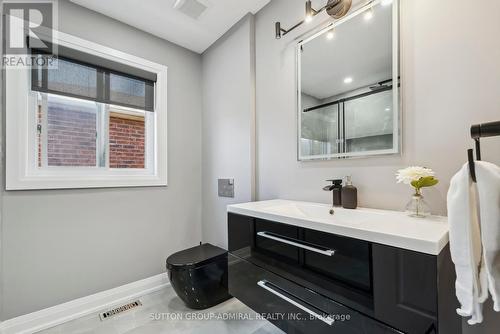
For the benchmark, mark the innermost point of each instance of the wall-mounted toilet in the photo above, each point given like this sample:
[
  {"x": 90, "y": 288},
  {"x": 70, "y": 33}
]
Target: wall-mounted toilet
[{"x": 199, "y": 275}]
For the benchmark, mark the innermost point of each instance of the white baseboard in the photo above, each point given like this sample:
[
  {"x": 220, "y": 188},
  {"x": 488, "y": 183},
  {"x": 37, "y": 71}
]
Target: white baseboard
[{"x": 80, "y": 307}]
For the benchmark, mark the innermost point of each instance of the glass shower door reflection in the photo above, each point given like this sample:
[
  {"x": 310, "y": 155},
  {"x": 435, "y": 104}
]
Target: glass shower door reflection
[
  {"x": 369, "y": 123},
  {"x": 320, "y": 132}
]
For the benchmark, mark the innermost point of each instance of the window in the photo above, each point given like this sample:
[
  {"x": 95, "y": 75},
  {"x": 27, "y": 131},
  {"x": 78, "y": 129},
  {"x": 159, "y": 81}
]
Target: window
[
  {"x": 95, "y": 117},
  {"x": 67, "y": 132},
  {"x": 78, "y": 133},
  {"x": 127, "y": 139}
]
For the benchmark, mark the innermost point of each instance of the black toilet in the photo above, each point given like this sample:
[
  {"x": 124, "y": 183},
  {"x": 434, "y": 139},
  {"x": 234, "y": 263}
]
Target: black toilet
[{"x": 199, "y": 275}]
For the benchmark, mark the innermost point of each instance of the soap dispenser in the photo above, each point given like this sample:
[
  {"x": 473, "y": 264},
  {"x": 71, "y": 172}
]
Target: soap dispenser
[
  {"x": 349, "y": 194},
  {"x": 336, "y": 189}
]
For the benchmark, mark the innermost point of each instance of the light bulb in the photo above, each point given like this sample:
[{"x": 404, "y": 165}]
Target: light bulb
[
  {"x": 309, "y": 11},
  {"x": 348, "y": 80},
  {"x": 330, "y": 34},
  {"x": 386, "y": 2},
  {"x": 369, "y": 14}
]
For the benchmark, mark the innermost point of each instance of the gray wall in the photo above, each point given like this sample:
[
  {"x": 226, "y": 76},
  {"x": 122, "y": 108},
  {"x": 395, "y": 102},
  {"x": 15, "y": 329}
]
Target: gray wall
[
  {"x": 451, "y": 79},
  {"x": 228, "y": 125},
  {"x": 64, "y": 244}
]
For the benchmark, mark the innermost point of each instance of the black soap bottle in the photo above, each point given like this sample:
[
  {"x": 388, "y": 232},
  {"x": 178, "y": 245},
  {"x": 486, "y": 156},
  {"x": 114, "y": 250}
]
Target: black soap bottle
[{"x": 349, "y": 195}]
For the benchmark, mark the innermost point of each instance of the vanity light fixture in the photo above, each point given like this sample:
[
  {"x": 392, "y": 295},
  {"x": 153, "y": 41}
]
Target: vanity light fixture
[
  {"x": 279, "y": 31},
  {"x": 310, "y": 12},
  {"x": 335, "y": 8},
  {"x": 338, "y": 8},
  {"x": 369, "y": 13}
]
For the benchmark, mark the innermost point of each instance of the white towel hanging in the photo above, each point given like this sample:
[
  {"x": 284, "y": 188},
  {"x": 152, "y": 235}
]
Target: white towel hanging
[
  {"x": 488, "y": 185},
  {"x": 465, "y": 246}
]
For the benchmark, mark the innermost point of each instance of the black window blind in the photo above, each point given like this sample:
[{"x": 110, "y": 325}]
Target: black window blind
[{"x": 76, "y": 74}]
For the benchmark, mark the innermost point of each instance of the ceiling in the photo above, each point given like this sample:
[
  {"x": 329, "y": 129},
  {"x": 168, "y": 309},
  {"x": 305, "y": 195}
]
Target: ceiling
[
  {"x": 360, "y": 49},
  {"x": 160, "y": 18}
]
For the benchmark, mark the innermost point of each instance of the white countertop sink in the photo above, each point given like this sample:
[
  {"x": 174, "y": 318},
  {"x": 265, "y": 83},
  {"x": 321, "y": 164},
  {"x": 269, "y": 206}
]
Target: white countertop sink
[{"x": 427, "y": 235}]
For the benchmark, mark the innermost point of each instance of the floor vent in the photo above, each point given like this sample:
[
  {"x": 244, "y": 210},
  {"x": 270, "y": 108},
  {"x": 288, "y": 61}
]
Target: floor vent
[{"x": 111, "y": 313}]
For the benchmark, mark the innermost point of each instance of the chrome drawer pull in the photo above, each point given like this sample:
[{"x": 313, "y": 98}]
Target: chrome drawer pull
[
  {"x": 327, "y": 252},
  {"x": 327, "y": 320}
]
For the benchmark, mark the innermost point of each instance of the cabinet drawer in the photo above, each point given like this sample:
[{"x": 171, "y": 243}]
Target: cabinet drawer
[
  {"x": 293, "y": 308},
  {"x": 350, "y": 263},
  {"x": 267, "y": 240},
  {"x": 325, "y": 263}
]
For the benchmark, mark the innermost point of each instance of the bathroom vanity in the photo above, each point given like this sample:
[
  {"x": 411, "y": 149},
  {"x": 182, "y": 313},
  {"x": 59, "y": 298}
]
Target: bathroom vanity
[{"x": 354, "y": 271}]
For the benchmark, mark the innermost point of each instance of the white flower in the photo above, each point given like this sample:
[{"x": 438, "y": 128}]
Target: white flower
[{"x": 410, "y": 174}]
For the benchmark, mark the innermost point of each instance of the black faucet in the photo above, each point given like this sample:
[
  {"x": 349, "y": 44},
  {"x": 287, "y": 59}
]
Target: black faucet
[{"x": 336, "y": 189}]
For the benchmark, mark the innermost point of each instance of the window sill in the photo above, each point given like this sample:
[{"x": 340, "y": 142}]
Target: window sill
[{"x": 85, "y": 182}]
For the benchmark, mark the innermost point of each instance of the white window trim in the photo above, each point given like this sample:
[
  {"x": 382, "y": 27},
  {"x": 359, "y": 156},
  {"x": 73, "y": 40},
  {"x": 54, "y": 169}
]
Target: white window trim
[{"x": 21, "y": 165}]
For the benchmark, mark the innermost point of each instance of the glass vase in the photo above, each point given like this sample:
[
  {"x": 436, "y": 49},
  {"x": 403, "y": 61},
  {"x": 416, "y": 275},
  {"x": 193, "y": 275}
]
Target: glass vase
[{"x": 417, "y": 207}]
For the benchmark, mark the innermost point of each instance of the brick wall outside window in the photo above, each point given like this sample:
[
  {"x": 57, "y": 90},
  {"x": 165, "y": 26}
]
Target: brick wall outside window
[
  {"x": 126, "y": 142},
  {"x": 71, "y": 135}
]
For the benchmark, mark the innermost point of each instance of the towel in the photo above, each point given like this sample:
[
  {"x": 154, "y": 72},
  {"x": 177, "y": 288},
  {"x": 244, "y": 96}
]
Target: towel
[
  {"x": 488, "y": 185},
  {"x": 465, "y": 246}
]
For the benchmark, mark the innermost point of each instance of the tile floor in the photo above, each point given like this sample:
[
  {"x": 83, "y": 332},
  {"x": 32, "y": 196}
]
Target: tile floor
[{"x": 164, "y": 312}]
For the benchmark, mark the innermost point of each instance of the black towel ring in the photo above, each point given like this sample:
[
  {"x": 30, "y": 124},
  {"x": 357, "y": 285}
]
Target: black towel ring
[
  {"x": 472, "y": 166},
  {"x": 477, "y": 131}
]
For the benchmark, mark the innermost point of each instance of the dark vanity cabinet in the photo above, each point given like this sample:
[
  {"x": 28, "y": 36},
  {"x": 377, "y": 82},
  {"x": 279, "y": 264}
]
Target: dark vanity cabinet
[{"x": 307, "y": 281}]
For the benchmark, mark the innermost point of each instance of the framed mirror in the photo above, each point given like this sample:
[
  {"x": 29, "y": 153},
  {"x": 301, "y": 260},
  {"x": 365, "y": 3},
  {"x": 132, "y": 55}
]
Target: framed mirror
[{"x": 348, "y": 86}]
